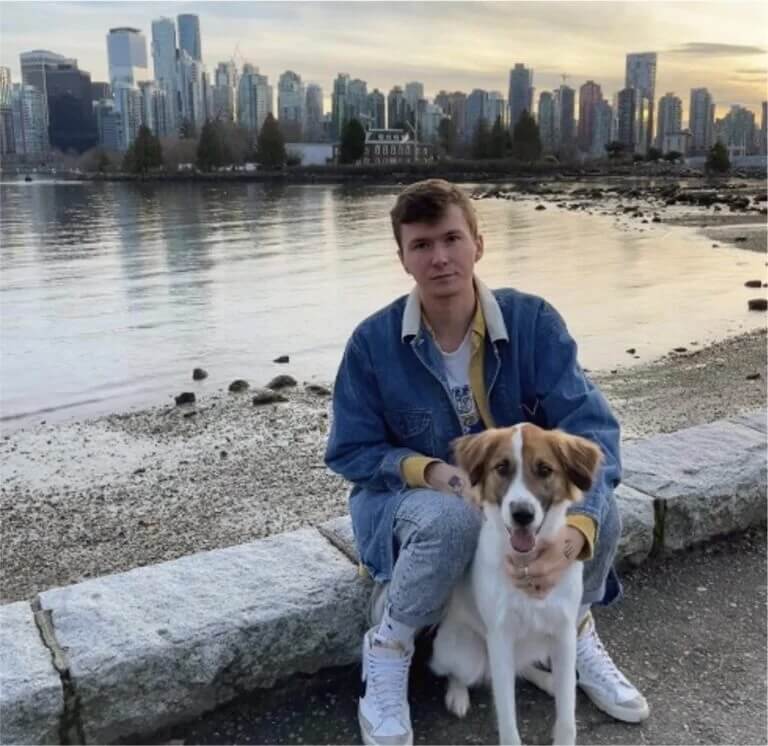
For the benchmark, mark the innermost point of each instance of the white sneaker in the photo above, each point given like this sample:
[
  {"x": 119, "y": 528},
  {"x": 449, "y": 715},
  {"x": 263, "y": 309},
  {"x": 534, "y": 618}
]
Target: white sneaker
[
  {"x": 384, "y": 714},
  {"x": 603, "y": 683}
]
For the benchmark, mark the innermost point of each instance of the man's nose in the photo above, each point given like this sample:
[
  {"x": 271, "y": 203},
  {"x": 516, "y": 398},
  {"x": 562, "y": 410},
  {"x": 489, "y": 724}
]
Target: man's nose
[{"x": 439, "y": 254}]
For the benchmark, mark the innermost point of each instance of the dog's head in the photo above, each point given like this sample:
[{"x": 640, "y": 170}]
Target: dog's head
[{"x": 530, "y": 474}]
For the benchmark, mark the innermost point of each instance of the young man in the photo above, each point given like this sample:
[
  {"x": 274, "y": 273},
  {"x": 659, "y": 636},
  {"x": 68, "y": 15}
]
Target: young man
[{"x": 449, "y": 359}]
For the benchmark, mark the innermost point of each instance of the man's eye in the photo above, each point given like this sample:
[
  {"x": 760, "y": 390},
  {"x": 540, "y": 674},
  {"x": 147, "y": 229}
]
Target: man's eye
[
  {"x": 543, "y": 470},
  {"x": 421, "y": 245}
]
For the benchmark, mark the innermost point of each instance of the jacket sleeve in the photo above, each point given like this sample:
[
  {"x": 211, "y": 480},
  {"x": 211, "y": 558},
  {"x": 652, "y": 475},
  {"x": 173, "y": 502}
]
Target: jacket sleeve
[
  {"x": 571, "y": 402},
  {"x": 358, "y": 446}
]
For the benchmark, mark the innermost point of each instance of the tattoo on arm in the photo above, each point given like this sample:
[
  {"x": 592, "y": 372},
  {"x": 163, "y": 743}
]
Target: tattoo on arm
[{"x": 456, "y": 484}]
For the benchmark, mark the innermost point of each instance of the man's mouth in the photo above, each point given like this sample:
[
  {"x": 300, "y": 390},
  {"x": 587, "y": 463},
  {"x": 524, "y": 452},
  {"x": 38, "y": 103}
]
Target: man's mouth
[
  {"x": 522, "y": 539},
  {"x": 446, "y": 276}
]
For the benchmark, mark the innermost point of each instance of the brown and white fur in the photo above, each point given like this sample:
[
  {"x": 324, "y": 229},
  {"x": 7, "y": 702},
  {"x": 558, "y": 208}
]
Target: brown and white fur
[{"x": 525, "y": 478}]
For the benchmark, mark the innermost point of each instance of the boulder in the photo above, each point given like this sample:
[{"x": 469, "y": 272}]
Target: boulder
[
  {"x": 267, "y": 396},
  {"x": 239, "y": 385},
  {"x": 281, "y": 382},
  {"x": 186, "y": 397},
  {"x": 198, "y": 374}
]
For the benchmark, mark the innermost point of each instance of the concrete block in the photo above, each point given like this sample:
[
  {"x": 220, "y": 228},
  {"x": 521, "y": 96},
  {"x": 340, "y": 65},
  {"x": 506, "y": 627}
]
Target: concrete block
[
  {"x": 339, "y": 532},
  {"x": 31, "y": 693},
  {"x": 755, "y": 420},
  {"x": 637, "y": 521},
  {"x": 164, "y": 643},
  {"x": 710, "y": 480}
]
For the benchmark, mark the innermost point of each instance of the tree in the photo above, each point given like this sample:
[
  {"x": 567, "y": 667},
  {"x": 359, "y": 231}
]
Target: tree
[
  {"x": 498, "y": 139},
  {"x": 146, "y": 153},
  {"x": 717, "y": 159},
  {"x": 187, "y": 129},
  {"x": 653, "y": 154},
  {"x": 673, "y": 156},
  {"x": 481, "y": 140},
  {"x": 615, "y": 149},
  {"x": 352, "y": 147},
  {"x": 446, "y": 132},
  {"x": 270, "y": 147},
  {"x": 526, "y": 143},
  {"x": 213, "y": 150}
]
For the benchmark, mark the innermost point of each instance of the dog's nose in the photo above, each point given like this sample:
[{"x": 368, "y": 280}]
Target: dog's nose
[{"x": 522, "y": 515}]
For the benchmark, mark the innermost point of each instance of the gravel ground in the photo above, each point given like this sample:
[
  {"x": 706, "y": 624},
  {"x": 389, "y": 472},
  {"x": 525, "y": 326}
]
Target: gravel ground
[{"x": 109, "y": 494}]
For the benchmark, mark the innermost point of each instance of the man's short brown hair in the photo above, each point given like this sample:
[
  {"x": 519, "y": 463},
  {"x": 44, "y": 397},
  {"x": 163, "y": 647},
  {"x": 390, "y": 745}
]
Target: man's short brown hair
[{"x": 427, "y": 201}]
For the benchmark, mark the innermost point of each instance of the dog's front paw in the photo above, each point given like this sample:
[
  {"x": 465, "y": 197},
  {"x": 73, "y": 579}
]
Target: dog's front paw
[
  {"x": 564, "y": 733},
  {"x": 457, "y": 698}
]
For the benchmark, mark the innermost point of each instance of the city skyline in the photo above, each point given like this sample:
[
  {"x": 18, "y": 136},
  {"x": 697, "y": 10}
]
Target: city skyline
[{"x": 438, "y": 45}]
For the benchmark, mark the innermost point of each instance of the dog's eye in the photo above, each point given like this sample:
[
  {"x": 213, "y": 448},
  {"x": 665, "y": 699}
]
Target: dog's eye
[
  {"x": 543, "y": 470},
  {"x": 502, "y": 468}
]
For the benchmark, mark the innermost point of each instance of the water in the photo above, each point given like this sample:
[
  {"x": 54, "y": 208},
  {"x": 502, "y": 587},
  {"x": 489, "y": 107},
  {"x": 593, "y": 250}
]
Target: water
[{"x": 110, "y": 294}]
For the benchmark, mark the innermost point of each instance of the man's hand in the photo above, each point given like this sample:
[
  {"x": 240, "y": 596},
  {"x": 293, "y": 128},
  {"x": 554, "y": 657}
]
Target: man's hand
[
  {"x": 449, "y": 479},
  {"x": 539, "y": 573}
]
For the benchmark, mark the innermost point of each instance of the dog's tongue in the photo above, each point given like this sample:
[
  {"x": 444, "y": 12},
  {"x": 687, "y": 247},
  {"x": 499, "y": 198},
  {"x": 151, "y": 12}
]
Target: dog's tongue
[{"x": 522, "y": 541}]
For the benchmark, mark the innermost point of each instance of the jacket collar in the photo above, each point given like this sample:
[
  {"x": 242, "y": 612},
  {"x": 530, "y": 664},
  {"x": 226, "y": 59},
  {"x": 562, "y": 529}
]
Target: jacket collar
[{"x": 494, "y": 321}]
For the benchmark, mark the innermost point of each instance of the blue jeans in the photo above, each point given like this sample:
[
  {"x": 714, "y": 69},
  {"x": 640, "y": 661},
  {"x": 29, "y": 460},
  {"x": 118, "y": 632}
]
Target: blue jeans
[{"x": 434, "y": 537}]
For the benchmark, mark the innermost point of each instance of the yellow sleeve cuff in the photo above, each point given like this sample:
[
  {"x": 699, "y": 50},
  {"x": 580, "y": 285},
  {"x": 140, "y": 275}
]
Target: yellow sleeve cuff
[
  {"x": 413, "y": 468},
  {"x": 588, "y": 528}
]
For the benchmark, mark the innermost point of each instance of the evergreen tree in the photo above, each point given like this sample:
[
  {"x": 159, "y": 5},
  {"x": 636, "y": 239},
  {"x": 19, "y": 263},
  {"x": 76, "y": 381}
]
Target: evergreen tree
[
  {"x": 352, "y": 142},
  {"x": 446, "y": 132},
  {"x": 498, "y": 139},
  {"x": 146, "y": 153},
  {"x": 673, "y": 156},
  {"x": 526, "y": 143},
  {"x": 717, "y": 159},
  {"x": 213, "y": 150},
  {"x": 270, "y": 147},
  {"x": 653, "y": 154},
  {"x": 481, "y": 140}
]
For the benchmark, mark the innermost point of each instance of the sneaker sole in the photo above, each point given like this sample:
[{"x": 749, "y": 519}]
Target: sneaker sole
[
  {"x": 369, "y": 741},
  {"x": 625, "y": 714}
]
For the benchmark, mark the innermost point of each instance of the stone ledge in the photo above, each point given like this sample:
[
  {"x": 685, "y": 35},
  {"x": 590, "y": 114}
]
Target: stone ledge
[
  {"x": 637, "y": 525},
  {"x": 161, "y": 644},
  {"x": 706, "y": 481},
  {"x": 31, "y": 693}
]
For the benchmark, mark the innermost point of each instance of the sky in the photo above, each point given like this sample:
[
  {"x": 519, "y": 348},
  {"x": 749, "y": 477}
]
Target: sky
[{"x": 445, "y": 45}]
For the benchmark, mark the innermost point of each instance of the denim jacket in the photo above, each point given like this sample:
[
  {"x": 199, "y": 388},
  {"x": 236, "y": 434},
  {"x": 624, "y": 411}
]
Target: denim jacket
[{"x": 391, "y": 398}]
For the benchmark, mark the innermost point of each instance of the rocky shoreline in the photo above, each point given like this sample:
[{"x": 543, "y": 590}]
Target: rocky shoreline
[{"x": 104, "y": 495}]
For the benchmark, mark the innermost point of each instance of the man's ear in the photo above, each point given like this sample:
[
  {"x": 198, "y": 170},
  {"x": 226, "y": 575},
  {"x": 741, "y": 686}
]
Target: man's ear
[{"x": 480, "y": 248}]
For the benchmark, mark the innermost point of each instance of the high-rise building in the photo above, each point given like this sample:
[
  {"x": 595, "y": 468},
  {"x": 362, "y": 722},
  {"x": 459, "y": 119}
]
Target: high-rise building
[
  {"x": 701, "y": 121},
  {"x": 189, "y": 35},
  {"x": 339, "y": 105},
  {"x": 153, "y": 108},
  {"x": 738, "y": 130},
  {"x": 377, "y": 106},
  {"x": 34, "y": 65},
  {"x": 7, "y": 139},
  {"x": 313, "y": 113},
  {"x": 641, "y": 74},
  {"x": 428, "y": 118},
  {"x": 357, "y": 103},
  {"x": 100, "y": 90},
  {"x": 476, "y": 111},
  {"x": 164, "y": 61},
  {"x": 414, "y": 92},
  {"x": 192, "y": 91},
  {"x": 602, "y": 125},
  {"x": 669, "y": 119},
  {"x": 546, "y": 121},
  {"x": 590, "y": 94},
  {"x": 291, "y": 100},
  {"x": 108, "y": 124},
  {"x": 763, "y": 131},
  {"x": 127, "y": 56},
  {"x": 397, "y": 108},
  {"x": 30, "y": 129},
  {"x": 454, "y": 106},
  {"x": 254, "y": 98},
  {"x": 520, "y": 92},
  {"x": 627, "y": 118},
  {"x": 224, "y": 92},
  {"x": 498, "y": 109},
  {"x": 565, "y": 117},
  {"x": 71, "y": 123}
]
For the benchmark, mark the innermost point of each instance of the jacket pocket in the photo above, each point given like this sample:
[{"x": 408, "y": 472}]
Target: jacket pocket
[{"x": 413, "y": 428}]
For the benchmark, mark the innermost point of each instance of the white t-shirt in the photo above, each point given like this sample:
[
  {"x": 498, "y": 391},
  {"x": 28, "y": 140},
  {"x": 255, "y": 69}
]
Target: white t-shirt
[{"x": 457, "y": 372}]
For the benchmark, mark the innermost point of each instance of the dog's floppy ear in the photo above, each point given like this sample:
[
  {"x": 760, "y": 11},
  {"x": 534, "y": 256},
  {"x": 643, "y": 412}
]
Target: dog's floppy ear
[
  {"x": 471, "y": 453},
  {"x": 580, "y": 459}
]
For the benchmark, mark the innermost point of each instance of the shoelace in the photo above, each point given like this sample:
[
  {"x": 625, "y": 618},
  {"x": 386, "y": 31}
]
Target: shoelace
[
  {"x": 388, "y": 678},
  {"x": 596, "y": 658}
]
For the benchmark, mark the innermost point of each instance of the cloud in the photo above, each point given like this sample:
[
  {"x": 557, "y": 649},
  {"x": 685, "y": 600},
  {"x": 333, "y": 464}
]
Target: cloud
[{"x": 704, "y": 49}]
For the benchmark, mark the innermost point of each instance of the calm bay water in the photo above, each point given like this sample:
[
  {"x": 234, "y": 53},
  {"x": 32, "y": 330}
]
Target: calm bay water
[{"x": 111, "y": 293}]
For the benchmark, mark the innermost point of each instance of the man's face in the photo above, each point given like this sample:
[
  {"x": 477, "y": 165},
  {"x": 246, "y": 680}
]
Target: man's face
[{"x": 440, "y": 257}]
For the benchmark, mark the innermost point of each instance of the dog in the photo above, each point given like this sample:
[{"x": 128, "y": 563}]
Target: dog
[{"x": 524, "y": 479}]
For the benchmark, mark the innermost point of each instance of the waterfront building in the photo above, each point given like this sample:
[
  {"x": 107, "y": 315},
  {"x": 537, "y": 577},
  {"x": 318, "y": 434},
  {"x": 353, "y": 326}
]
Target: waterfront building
[
  {"x": 393, "y": 146},
  {"x": 30, "y": 131},
  {"x": 520, "y": 93},
  {"x": 670, "y": 118},
  {"x": 314, "y": 130},
  {"x": 397, "y": 108},
  {"x": 189, "y": 35},
  {"x": 602, "y": 128},
  {"x": 165, "y": 67},
  {"x": 377, "y": 107},
  {"x": 291, "y": 103},
  {"x": 254, "y": 99},
  {"x": 640, "y": 73},
  {"x": 590, "y": 94},
  {"x": 701, "y": 121},
  {"x": 546, "y": 121}
]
